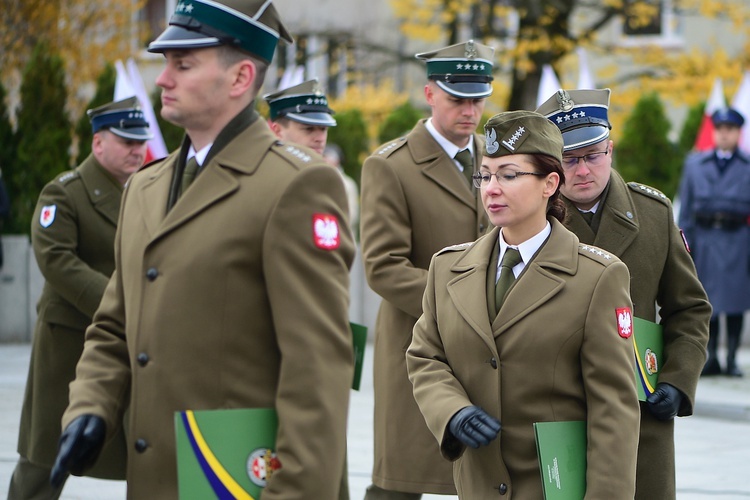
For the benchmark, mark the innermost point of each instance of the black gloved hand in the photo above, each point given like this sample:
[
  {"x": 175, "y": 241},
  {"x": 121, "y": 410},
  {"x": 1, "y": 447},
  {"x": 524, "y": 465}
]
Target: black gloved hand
[
  {"x": 665, "y": 402},
  {"x": 79, "y": 447},
  {"x": 474, "y": 427}
]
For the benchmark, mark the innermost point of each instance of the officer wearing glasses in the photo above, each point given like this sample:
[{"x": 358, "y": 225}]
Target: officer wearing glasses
[{"x": 635, "y": 222}]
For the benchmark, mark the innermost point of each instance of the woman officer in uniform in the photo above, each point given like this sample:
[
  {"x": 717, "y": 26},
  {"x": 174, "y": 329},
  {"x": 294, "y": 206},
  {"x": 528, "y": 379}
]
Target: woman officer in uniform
[{"x": 486, "y": 364}]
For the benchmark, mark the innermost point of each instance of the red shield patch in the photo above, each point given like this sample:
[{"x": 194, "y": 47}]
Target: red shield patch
[
  {"x": 624, "y": 322},
  {"x": 326, "y": 231}
]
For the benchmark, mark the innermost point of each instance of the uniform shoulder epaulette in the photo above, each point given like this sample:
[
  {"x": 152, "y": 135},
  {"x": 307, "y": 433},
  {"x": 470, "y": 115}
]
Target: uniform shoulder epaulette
[
  {"x": 67, "y": 177},
  {"x": 388, "y": 148},
  {"x": 292, "y": 153},
  {"x": 596, "y": 253},
  {"x": 648, "y": 191},
  {"x": 456, "y": 248}
]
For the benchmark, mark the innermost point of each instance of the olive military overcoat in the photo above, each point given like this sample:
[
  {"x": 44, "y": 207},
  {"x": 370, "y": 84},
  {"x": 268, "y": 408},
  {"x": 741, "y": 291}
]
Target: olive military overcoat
[
  {"x": 73, "y": 234},
  {"x": 636, "y": 223},
  {"x": 414, "y": 202},
  {"x": 556, "y": 351},
  {"x": 235, "y": 298}
]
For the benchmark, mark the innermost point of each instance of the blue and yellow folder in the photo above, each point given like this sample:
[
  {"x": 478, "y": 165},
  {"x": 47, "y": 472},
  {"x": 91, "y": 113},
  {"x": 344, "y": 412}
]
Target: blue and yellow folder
[
  {"x": 561, "y": 449},
  {"x": 649, "y": 345},
  {"x": 225, "y": 454}
]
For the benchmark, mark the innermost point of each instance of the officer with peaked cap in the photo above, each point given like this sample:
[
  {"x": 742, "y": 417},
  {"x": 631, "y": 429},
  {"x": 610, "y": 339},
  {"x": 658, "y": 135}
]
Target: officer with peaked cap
[
  {"x": 521, "y": 326},
  {"x": 73, "y": 233},
  {"x": 300, "y": 114},
  {"x": 636, "y": 223},
  {"x": 215, "y": 242},
  {"x": 417, "y": 197},
  {"x": 715, "y": 217}
]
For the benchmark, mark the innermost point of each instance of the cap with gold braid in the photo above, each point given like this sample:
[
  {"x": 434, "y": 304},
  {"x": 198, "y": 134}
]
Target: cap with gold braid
[
  {"x": 305, "y": 103},
  {"x": 463, "y": 70},
  {"x": 250, "y": 25},
  {"x": 522, "y": 132},
  {"x": 581, "y": 116}
]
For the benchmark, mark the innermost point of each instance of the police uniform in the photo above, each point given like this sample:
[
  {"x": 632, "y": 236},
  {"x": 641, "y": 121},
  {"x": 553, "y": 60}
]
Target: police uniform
[
  {"x": 231, "y": 293},
  {"x": 635, "y": 222},
  {"x": 72, "y": 234},
  {"x": 715, "y": 215},
  {"x": 558, "y": 349},
  {"x": 415, "y": 201}
]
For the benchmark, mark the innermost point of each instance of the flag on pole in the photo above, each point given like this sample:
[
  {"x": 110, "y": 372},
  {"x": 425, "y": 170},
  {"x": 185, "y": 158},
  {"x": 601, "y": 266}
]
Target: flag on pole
[
  {"x": 716, "y": 101},
  {"x": 548, "y": 85},
  {"x": 129, "y": 83},
  {"x": 741, "y": 103},
  {"x": 292, "y": 76},
  {"x": 585, "y": 79}
]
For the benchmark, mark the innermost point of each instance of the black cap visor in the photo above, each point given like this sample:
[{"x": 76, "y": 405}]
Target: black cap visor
[
  {"x": 175, "y": 37},
  {"x": 584, "y": 136},
  {"x": 466, "y": 90}
]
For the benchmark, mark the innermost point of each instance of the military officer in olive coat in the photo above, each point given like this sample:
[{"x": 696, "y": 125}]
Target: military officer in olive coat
[
  {"x": 489, "y": 360},
  {"x": 73, "y": 233},
  {"x": 417, "y": 198},
  {"x": 636, "y": 223},
  {"x": 231, "y": 282}
]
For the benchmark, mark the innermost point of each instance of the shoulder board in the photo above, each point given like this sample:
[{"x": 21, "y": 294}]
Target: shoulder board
[
  {"x": 456, "y": 248},
  {"x": 389, "y": 147},
  {"x": 648, "y": 191},
  {"x": 292, "y": 153},
  {"x": 596, "y": 253},
  {"x": 67, "y": 177}
]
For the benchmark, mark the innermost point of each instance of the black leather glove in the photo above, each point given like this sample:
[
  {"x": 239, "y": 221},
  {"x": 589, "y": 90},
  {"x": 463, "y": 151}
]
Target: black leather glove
[
  {"x": 474, "y": 427},
  {"x": 665, "y": 402},
  {"x": 79, "y": 447}
]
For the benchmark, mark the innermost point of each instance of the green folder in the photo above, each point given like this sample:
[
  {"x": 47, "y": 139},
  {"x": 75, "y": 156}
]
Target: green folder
[
  {"x": 561, "y": 449},
  {"x": 359, "y": 335},
  {"x": 649, "y": 345},
  {"x": 225, "y": 453}
]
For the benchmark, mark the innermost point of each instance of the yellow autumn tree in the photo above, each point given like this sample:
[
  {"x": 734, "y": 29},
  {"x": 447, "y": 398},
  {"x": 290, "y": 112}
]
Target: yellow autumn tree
[
  {"x": 530, "y": 33},
  {"x": 86, "y": 34}
]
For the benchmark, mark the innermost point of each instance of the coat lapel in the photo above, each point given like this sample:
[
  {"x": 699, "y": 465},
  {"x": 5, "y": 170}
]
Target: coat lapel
[
  {"x": 467, "y": 289},
  {"x": 437, "y": 166},
  {"x": 619, "y": 225},
  {"x": 102, "y": 189},
  {"x": 540, "y": 279}
]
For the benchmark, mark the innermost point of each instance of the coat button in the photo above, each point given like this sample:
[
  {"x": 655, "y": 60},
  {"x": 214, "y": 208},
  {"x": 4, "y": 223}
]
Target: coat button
[
  {"x": 142, "y": 359},
  {"x": 141, "y": 445},
  {"x": 493, "y": 363},
  {"x": 481, "y": 228},
  {"x": 152, "y": 273},
  {"x": 503, "y": 489}
]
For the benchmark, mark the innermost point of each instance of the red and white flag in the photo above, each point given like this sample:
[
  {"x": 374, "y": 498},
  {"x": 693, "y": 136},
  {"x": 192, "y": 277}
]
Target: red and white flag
[
  {"x": 716, "y": 101},
  {"x": 585, "y": 79},
  {"x": 741, "y": 103},
  {"x": 548, "y": 85},
  {"x": 129, "y": 83}
]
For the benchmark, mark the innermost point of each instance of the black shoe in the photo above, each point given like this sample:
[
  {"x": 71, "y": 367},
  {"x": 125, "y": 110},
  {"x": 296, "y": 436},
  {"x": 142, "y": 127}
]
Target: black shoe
[
  {"x": 711, "y": 367},
  {"x": 734, "y": 371}
]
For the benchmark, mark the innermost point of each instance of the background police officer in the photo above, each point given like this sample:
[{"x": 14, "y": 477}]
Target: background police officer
[
  {"x": 715, "y": 215},
  {"x": 72, "y": 233},
  {"x": 417, "y": 197},
  {"x": 636, "y": 223}
]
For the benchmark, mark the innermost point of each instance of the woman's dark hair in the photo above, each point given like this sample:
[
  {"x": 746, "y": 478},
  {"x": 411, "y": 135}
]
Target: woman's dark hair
[{"x": 546, "y": 164}]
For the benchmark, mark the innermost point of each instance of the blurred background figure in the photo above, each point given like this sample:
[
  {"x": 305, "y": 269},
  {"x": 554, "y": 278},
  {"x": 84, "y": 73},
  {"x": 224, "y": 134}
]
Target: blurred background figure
[{"x": 715, "y": 216}]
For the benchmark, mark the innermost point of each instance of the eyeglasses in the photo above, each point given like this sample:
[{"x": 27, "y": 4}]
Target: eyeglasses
[
  {"x": 503, "y": 178},
  {"x": 591, "y": 159}
]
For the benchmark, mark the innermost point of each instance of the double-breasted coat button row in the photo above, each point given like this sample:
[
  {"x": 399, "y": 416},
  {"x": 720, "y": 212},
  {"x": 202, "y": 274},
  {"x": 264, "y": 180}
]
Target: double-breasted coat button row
[
  {"x": 142, "y": 359},
  {"x": 152, "y": 273},
  {"x": 141, "y": 445}
]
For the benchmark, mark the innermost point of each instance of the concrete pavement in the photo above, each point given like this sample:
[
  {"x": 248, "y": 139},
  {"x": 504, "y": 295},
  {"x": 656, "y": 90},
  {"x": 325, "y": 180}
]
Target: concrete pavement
[{"x": 713, "y": 446}]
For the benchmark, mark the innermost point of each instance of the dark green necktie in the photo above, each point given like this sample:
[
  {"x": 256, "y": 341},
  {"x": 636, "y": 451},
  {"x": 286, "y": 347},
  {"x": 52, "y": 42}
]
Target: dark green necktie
[
  {"x": 188, "y": 175},
  {"x": 588, "y": 217},
  {"x": 511, "y": 258},
  {"x": 464, "y": 158}
]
